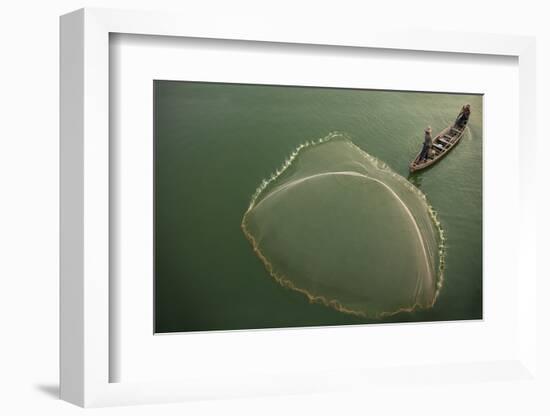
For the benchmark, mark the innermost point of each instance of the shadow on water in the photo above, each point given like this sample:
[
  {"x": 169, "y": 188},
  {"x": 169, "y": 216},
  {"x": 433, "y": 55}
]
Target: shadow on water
[{"x": 416, "y": 179}]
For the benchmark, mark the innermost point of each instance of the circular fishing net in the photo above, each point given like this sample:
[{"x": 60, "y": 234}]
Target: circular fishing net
[{"x": 339, "y": 226}]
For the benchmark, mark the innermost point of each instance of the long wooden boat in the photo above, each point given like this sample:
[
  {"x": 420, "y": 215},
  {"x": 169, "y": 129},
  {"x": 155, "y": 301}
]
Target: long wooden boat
[{"x": 441, "y": 145}]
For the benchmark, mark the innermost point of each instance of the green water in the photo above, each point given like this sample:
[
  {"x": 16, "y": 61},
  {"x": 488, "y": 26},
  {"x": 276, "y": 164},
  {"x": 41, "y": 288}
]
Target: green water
[{"x": 215, "y": 143}]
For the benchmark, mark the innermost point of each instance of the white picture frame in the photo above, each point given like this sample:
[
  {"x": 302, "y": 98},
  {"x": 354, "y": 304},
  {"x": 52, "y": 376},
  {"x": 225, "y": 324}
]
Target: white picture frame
[{"x": 85, "y": 221}]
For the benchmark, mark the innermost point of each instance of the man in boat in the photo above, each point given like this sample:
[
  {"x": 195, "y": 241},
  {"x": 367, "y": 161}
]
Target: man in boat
[
  {"x": 463, "y": 117},
  {"x": 427, "y": 147}
]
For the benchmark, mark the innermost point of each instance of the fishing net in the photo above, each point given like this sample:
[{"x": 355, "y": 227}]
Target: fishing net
[{"x": 340, "y": 227}]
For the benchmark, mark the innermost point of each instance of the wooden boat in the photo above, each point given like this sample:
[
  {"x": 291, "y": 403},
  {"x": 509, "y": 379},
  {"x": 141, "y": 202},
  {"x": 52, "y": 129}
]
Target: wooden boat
[{"x": 441, "y": 145}]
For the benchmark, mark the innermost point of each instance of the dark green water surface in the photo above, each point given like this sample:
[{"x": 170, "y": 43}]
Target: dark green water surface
[{"x": 215, "y": 143}]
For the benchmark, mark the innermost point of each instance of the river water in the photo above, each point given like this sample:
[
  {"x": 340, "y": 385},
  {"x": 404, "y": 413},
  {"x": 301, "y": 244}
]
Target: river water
[{"x": 216, "y": 143}]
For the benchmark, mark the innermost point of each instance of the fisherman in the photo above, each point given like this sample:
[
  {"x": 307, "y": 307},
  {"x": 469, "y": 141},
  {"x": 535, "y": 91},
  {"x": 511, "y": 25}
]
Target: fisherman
[
  {"x": 427, "y": 147},
  {"x": 463, "y": 117}
]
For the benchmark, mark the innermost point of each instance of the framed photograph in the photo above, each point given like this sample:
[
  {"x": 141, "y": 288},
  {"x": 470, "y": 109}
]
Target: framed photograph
[{"x": 266, "y": 213}]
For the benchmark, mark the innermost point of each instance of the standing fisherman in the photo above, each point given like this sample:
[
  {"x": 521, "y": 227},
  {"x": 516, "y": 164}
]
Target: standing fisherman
[
  {"x": 463, "y": 117},
  {"x": 427, "y": 143}
]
